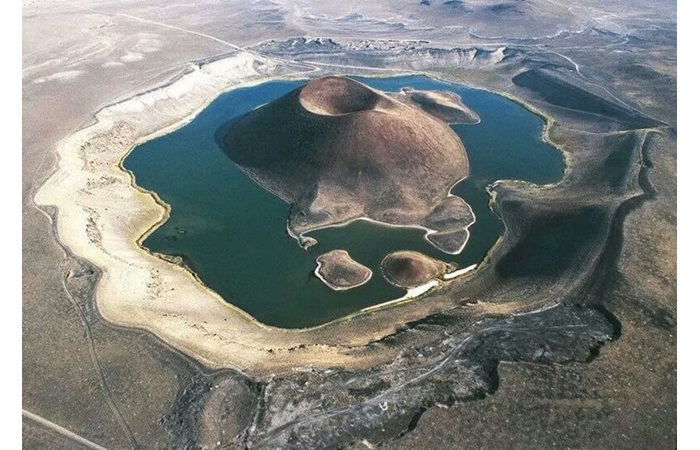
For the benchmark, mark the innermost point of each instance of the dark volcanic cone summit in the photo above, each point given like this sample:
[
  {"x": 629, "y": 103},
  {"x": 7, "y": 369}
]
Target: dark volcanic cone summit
[
  {"x": 335, "y": 96},
  {"x": 338, "y": 150}
]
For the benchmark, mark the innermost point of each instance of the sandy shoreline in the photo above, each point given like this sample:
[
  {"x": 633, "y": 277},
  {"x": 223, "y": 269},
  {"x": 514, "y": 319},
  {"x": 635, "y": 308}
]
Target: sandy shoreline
[{"x": 103, "y": 217}]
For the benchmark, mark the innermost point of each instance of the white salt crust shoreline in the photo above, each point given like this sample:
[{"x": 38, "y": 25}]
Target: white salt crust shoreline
[{"x": 103, "y": 217}]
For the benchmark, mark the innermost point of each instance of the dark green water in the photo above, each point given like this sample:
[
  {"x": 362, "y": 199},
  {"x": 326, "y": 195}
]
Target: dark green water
[{"x": 233, "y": 233}]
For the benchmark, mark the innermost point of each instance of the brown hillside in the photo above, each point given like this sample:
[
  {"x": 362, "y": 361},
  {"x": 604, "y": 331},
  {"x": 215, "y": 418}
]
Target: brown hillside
[
  {"x": 337, "y": 150},
  {"x": 409, "y": 269}
]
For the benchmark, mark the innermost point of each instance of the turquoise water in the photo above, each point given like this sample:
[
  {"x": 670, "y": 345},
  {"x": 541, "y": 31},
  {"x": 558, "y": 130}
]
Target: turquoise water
[{"x": 232, "y": 232}]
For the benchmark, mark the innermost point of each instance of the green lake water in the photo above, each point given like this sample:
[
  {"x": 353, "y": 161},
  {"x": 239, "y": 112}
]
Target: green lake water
[{"x": 232, "y": 232}]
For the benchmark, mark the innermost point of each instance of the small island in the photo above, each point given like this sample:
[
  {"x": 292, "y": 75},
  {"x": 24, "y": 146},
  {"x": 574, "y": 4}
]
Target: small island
[
  {"x": 340, "y": 272},
  {"x": 408, "y": 269},
  {"x": 445, "y": 105}
]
